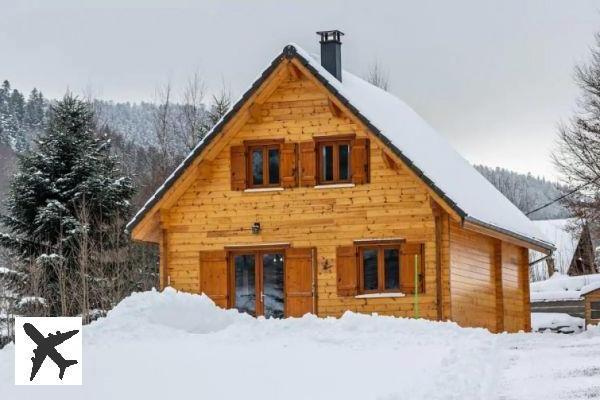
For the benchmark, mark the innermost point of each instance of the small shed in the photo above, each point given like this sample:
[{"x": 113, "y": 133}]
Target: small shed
[{"x": 591, "y": 299}]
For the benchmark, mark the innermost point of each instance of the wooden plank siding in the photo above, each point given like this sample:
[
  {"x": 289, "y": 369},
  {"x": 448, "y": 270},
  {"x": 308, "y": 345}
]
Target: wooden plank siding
[
  {"x": 515, "y": 288},
  {"x": 588, "y": 299},
  {"x": 208, "y": 216},
  {"x": 489, "y": 284},
  {"x": 472, "y": 285}
]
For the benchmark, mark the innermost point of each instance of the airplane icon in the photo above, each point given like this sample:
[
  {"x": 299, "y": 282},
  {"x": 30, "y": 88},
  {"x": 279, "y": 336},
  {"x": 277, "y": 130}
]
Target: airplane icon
[{"x": 46, "y": 347}]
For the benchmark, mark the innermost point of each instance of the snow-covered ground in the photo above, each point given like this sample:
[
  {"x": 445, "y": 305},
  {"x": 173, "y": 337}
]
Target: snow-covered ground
[{"x": 175, "y": 345}]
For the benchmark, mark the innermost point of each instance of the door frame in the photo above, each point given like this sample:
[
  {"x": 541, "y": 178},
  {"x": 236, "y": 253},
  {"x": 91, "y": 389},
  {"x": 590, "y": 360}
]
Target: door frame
[{"x": 257, "y": 251}]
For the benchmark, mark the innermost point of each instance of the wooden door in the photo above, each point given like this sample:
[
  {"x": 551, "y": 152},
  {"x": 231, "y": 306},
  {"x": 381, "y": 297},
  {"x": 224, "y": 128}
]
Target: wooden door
[
  {"x": 214, "y": 276},
  {"x": 299, "y": 278}
]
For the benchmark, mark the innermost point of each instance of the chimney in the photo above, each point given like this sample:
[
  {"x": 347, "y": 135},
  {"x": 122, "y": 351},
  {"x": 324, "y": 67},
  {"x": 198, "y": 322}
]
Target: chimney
[{"x": 331, "y": 52}]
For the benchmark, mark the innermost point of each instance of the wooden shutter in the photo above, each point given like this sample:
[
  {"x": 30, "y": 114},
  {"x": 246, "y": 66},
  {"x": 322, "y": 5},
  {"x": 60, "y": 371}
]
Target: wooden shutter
[
  {"x": 308, "y": 161},
  {"x": 347, "y": 273},
  {"x": 288, "y": 165},
  {"x": 360, "y": 161},
  {"x": 298, "y": 281},
  {"x": 407, "y": 267},
  {"x": 238, "y": 168},
  {"x": 214, "y": 276}
]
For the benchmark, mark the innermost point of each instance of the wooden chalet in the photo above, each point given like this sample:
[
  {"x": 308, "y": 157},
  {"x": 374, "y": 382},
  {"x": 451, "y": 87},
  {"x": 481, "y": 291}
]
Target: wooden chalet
[{"x": 320, "y": 193}]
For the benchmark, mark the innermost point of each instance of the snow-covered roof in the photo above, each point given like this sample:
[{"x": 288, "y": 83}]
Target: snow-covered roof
[
  {"x": 560, "y": 287},
  {"x": 424, "y": 150},
  {"x": 564, "y": 239},
  {"x": 590, "y": 287}
]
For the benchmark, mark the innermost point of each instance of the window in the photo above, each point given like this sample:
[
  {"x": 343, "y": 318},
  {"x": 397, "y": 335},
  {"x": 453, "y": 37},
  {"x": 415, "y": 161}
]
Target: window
[
  {"x": 595, "y": 306},
  {"x": 263, "y": 165},
  {"x": 389, "y": 267},
  {"x": 379, "y": 268},
  {"x": 334, "y": 161}
]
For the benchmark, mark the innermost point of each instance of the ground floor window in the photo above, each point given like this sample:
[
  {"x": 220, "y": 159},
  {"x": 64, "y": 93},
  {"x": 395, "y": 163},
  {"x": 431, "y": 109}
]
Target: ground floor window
[
  {"x": 395, "y": 267},
  {"x": 379, "y": 268}
]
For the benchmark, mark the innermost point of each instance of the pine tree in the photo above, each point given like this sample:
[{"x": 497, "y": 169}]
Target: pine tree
[{"x": 71, "y": 174}]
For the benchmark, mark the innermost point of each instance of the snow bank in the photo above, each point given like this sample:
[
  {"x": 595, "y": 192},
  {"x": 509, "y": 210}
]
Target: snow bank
[
  {"x": 170, "y": 312},
  {"x": 557, "y": 322},
  {"x": 176, "y": 345},
  {"x": 561, "y": 287}
]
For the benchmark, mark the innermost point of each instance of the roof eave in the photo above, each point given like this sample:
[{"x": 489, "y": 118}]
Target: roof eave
[{"x": 288, "y": 52}]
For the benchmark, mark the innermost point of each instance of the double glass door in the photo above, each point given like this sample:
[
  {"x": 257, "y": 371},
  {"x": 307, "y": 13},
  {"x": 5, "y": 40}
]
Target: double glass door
[{"x": 258, "y": 282}]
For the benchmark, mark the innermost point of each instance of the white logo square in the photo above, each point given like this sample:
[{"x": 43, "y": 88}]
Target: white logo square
[{"x": 48, "y": 351}]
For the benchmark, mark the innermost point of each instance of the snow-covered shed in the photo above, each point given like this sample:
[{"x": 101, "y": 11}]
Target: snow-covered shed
[{"x": 319, "y": 192}]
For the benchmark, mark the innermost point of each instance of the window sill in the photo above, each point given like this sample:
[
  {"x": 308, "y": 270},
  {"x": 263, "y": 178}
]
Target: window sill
[
  {"x": 379, "y": 295},
  {"x": 267, "y": 189},
  {"x": 335, "y": 186}
]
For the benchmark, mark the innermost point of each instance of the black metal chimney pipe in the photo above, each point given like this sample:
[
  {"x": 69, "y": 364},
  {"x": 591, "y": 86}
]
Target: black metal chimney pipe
[{"x": 331, "y": 52}]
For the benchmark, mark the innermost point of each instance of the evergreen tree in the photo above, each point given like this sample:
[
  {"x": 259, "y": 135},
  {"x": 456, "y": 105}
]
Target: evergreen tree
[{"x": 68, "y": 190}]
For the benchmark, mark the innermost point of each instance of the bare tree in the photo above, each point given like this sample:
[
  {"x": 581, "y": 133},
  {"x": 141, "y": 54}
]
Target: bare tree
[
  {"x": 577, "y": 156},
  {"x": 193, "y": 112},
  {"x": 163, "y": 128},
  {"x": 378, "y": 76}
]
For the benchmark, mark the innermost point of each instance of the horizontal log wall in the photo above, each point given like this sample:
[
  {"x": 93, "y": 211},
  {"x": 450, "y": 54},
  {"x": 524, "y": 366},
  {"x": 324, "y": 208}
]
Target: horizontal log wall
[
  {"x": 472, "y": 279},
  {"x": 209, "y": 215}
]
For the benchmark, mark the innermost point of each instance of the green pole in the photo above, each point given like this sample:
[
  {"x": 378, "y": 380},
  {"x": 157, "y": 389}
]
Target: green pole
[{"x": 416, "y": 306}]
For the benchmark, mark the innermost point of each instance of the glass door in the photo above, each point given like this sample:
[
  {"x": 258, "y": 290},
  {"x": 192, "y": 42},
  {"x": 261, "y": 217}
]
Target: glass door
[
  {"x": 272, "y": 285},
  {"x": 258, "y": 283},
  {"x": 244, "y": 267}
]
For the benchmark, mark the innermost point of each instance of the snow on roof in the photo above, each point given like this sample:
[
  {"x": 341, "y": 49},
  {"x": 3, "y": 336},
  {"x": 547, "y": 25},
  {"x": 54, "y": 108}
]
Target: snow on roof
[
  {"x": 565, "y": 241},
  {"x": 431, "y": 153},
  {"x": 590, "y": 287},
  {"x": 560, "y": 287},
  {"x": 466, "y": 190}
]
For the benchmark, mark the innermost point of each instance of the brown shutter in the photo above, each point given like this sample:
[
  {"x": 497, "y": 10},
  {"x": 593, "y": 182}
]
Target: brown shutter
[
  {"x": 238, "y": 168},
  {"x": 407, "y": 267},
  {"x": 347, "y": 274},
  {"x": 360, "y": 161},
  {"x": 288, "y": 165},
  {"x": 214, "y": 277},
  {"x": 298, "y": 281},
  {"x": 308, "y": 162}
]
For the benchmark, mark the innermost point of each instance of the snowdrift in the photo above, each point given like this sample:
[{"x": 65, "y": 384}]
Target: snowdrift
[{"x": 176, "y": 345}]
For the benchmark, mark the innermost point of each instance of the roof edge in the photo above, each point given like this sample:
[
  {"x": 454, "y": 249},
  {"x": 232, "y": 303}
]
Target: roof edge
[
  {"x": 538, "y": 243},
  {"x": 290, "y": 51}
]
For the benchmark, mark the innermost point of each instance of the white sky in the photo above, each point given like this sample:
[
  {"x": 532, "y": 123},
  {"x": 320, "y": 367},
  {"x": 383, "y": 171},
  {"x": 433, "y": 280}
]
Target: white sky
[{"x": 494, "y": 77}]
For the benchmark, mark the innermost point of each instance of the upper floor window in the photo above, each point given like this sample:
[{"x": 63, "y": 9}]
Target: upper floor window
[
  {"x": 334, "y": 163},
  {"x": 264, "y": 162},
  {"x": 275, "y": 163}
]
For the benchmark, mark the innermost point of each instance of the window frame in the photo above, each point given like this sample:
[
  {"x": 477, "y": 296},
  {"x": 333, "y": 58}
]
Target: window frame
[
  {"x": 381, "y": 247},
  {"x": 594, "y": 309},
  {"x": 265, "y": 146},
  {"x": 335, "y": 142}
]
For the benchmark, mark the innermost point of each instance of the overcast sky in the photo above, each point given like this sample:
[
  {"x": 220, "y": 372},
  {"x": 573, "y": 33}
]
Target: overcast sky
[{"x": 494, "y": 77}]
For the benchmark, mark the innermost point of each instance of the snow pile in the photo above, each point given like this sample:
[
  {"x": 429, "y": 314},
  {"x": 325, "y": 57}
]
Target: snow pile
[
  {"x": 170, "y": 312},
  {"x": 561, "y": 287},
  {"x": 556, "y": 322},
  {"x": 176, "y": 345}
]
